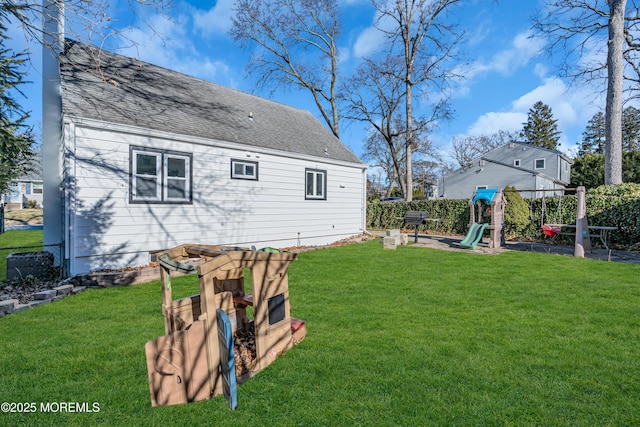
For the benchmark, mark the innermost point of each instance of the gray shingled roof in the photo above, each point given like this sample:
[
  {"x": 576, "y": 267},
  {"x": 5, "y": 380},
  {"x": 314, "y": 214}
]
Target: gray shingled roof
[{"x": 105, "y": 86}]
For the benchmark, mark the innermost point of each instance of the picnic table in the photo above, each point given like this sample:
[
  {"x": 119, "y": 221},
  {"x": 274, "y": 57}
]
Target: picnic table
[{"x": 600, "y": 231}]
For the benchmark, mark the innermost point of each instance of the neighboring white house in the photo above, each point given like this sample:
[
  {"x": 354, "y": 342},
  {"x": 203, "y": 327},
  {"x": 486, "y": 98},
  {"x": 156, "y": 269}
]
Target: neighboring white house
[
  {"x": 524, "y": 166},
  {"x": 27, "y": 189},
  {"x": 151, "y": 158}
]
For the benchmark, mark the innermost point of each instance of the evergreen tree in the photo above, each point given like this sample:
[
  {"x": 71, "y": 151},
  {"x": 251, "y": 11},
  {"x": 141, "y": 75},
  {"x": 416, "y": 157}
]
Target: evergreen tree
[
  {"x": 588, "y": 170},
  {"x": 630, "y": 131},
  {"x": 593, "y": 138},
  {"x": 16, "y": 138},
  {"x": 541, "y": 128}
]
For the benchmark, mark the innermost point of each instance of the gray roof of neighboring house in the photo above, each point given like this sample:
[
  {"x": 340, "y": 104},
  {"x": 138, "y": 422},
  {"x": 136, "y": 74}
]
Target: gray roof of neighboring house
[{"x": 105, "y": 86}]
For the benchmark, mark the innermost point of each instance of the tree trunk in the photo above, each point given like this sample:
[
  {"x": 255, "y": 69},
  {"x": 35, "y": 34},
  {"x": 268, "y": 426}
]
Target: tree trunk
[
  {"x": 613, "y": 114},
  {"x": 409, "y": 142}
]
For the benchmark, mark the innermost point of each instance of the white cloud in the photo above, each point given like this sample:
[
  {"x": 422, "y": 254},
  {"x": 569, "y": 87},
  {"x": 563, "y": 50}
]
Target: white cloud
[
  {"x": 173, "y": 50},
  {"x": 571, "y": 107},
  {"x": 490, "y": 123},
  {"x": 368, "y": 42},
  {"x": 523, "y": 48},
  {"x": 215, "y": 20}
]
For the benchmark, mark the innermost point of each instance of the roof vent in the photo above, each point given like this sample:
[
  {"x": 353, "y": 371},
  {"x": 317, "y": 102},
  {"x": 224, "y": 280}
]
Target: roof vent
[{"x": 250, "y": 115}]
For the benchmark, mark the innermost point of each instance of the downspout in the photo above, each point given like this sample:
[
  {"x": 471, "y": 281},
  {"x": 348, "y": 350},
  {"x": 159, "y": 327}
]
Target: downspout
[
  {"x": 52, "y": 144},
  {"x": 364, "y": 201}
]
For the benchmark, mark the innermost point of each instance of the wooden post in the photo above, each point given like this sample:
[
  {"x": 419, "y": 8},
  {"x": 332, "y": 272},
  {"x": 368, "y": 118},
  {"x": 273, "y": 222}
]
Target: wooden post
[{"x": 582, "y": 228}]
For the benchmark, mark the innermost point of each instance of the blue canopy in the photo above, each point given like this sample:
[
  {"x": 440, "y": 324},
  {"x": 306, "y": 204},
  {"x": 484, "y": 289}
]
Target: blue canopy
[{"x": 485, "y": 194}]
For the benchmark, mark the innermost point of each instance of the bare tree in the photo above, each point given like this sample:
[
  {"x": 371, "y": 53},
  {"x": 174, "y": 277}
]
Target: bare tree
[
  {"x": 85, "y": 21},
  {"x": 423, "y": 40},
  {"x": 375, "y": 96},
  {"x": 467, "y": 148},
  {"x": 575, "y": 27},
  {"x": 296, "y": 46}
]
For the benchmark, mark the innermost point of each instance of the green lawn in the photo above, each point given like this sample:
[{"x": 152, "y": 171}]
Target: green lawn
[
  {"x": 407, "y": 337},
  {"x": 18, "y": 238}
]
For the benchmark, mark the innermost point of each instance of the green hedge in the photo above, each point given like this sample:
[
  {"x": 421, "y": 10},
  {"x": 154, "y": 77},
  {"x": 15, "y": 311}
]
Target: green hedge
[{"x": 617, "y": 206}]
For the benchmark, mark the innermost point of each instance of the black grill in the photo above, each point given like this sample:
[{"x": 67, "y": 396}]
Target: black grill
[{"x": 415, "y": 218}]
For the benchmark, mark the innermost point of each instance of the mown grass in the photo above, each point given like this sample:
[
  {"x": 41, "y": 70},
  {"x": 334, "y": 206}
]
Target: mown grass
[
  {"x": 407, "y": 337},
  {"x": 31, "y": 239}
]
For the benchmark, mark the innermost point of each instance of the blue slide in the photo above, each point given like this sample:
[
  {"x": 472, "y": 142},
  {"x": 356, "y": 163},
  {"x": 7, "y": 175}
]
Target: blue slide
[{"x": 473, "y": 236}]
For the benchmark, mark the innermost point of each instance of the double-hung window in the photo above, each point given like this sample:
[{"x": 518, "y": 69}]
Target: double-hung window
[
  {"x": 160, "y": 176},
  {"x": 316, "y": 184}
]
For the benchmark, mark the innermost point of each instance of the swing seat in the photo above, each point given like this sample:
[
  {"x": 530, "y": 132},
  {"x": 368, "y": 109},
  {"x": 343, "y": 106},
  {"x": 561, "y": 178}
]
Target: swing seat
[{"x": 550, "y": 231}]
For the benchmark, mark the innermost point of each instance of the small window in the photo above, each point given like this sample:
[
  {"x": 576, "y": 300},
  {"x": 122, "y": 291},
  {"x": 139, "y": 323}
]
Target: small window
[
  {"x": 276, "y": 309},
  {"x": 315, "y": 184},
  {"x": 516, "y": 163},
  {"x": 243, "y": 169},
  {"x": 539, "y": 164},
  {"x": 481, "y": 187},
  {"x": 37, "y": 188},
  {"x": 160, "y": 176}
]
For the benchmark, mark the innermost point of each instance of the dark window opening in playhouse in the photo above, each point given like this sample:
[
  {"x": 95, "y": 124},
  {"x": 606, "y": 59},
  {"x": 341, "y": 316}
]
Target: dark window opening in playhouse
[{"x": 276, "y": 309}]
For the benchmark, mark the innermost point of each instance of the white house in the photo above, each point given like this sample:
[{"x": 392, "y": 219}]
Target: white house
[
  {"x": 524, "y": 166},
  {"x": 149, "y": 158},
  {"x": 26, "y": 190}
]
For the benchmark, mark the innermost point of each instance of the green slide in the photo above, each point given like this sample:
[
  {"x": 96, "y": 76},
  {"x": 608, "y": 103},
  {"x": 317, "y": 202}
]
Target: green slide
[{"x": 474, "y": 235}]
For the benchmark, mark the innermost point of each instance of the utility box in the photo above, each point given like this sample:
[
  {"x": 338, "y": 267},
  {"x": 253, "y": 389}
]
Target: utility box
[{"x": 23, "y": 264}]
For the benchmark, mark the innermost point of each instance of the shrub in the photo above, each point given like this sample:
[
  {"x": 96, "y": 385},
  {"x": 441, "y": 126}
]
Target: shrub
[{"x": 516, "y": 213}]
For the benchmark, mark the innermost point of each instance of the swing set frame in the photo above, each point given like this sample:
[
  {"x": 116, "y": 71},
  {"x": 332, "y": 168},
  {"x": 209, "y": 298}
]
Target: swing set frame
[{"x": 582, "y": 238}]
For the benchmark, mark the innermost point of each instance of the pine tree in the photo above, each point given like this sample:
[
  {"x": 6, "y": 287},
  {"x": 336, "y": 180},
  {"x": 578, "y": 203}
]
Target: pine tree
[
  {"x": 16, "y": 138},
  {"x": 630, "y": 130},
  {"x": 593, "y": 138},
  {"x": 541, "y": 128}
]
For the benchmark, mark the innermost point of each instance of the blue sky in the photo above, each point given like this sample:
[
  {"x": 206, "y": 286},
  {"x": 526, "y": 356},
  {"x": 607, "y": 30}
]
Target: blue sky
[{"x": 507, "y": 71}]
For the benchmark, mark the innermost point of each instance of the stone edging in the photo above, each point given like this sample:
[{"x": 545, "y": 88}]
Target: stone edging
[{"x": 10, "y": 306}]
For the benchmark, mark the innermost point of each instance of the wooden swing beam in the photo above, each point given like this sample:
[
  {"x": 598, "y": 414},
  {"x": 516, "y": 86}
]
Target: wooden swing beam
[{"x": 541, "y": 189}]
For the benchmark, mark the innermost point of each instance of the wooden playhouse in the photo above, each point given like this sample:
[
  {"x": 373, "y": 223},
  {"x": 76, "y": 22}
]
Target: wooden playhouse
[{"x": 211, "y": 343}]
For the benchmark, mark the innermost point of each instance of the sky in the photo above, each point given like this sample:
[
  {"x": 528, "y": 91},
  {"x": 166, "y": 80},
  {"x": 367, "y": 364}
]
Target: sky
[{"x": 507, "y": 70}]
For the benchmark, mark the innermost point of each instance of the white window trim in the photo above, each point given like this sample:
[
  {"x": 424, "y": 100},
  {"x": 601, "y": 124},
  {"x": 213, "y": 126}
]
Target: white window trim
[
  {"x": 535, "y": 164},
  {"x": 186, "y": 178},
  {"x": 244, "y": 175},
  {"x": 315, "y": 173},
  {"x": 517, "y": 163},
  {"x": 134, "y": 175},
  {"x": 162, "y": 164}
]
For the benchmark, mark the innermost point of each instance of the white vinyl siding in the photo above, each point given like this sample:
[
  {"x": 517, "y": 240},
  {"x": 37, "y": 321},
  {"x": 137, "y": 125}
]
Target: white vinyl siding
[{"x": 108, "y": 231}]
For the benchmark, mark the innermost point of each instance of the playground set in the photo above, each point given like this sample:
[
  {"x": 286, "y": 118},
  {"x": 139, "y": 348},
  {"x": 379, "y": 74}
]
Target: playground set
[
  {"x": 210, "y": 343},
  {"x": 490, "y": 203}
]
